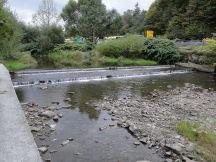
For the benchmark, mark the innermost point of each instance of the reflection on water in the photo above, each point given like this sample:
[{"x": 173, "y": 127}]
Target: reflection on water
[{"x": 82, "y": 122}]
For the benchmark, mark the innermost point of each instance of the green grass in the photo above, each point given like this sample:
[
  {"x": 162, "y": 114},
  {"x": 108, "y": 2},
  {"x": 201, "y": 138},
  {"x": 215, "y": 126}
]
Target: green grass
[
  {"x": 109, "y": 61},
  {"x": 12, "y": 65},
  {"x": 204, "y": 137}
]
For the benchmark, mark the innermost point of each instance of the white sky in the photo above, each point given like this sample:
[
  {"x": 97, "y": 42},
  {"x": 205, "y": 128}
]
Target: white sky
[{"x": 25, "y": 8}]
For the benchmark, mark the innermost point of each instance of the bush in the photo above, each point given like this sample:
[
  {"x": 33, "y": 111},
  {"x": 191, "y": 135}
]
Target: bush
[
  {"x": 20, "y": 61},
  {"x": 69, "y": 59},
  {"x": 163, "y": 51},
  {"x": 160, "y": 50},
  {"x": 71, "y": 46},
  {"x": 129, "y": 47},
  {"x": 209, "y": 52}
]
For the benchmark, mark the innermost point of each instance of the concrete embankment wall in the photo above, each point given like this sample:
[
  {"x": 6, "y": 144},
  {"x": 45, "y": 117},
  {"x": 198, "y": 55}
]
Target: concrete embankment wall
[
  {"x": 202, "y": 68},
  {"x": 16, "y": 141}
]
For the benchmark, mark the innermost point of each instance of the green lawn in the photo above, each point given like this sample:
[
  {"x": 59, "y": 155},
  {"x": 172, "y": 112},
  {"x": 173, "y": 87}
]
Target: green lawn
[{"x": 12, "y": 65}]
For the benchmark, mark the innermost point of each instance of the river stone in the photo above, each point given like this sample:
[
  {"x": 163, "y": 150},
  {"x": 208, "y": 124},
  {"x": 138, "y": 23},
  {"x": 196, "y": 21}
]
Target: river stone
[
  {"x": 48, "y": 114},
  {"x": 185, "y": 159},
  {"x": 65, "y": 142},
  {"x": 43, "y": 149},
  {"x": 175, "y": 148},
  {"x": 133, "y": 128},
  {"x": 144, "y": 140},
  {"x": 35, "y": 129},
  {"x": 136, "y": 143},
  {"x": 55, "y": 118},
  {"x": 60, "y": 115}
]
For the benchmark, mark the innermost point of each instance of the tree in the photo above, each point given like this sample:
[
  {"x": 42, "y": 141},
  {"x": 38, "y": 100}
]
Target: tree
[
  {"x": 46, "y": 14},
  {"x": 184, "y": 19},
  {"x": 114, "y": 23},
  {"x": 10, "y": 32},
  {"x": 133, "y": 20},
  {"x": 85, "y": 18}
]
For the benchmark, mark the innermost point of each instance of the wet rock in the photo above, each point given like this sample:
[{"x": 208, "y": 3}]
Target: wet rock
[
  {"x": 133, "y": 128},
  {"x": 65, "y": 142},
  {"x": 143, "y": 161},
  {"x": 70, "y": 139},
  {"x": 53, "y": 151},
  {"x": 168, "y": 154},
  {"x": 48, "y": 160},
  {"x": 169, "y": 86},
  {"x": 43, "y": 149},
  {"x": 67, "y": 100},
  {"x": 168, "y": 160},
  {"x": 112, "y": 125},
  {"x": 136, "y": 143},
  {"x": 48, "y": 114},
  {"x": 52, "y": 126},
  {"x": 55, "y": 102},
  {"x": 60, "y": 115},
  {"x": 55, "y": 118},
  {"x": 71, "y": 93},
  {"x": 175, "y": 148},
  {"x": 67, "y": 107},
  {"x": 144, "y": 140},
  {"x": 102, "y": 128},
  {"x": 185, "y": 159},
  {"x": 35, "y": 129}
]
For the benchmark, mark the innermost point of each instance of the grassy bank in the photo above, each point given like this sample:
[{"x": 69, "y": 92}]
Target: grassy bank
[
  {"x": 109, "y": 61},
  {"x": 77, "y": 59},
  {"x": 21, "y": 60},
  {"x": 204, "y": 137},
  {"x": 13, "y": 65}
]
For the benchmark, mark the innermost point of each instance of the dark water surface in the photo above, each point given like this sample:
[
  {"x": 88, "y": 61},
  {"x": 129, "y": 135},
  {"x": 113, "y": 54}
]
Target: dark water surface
[{"x": 82, "y": 122}]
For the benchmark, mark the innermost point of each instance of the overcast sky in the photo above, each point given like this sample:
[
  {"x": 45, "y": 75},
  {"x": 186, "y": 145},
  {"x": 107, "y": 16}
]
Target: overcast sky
[{"x": 25, "y": 8}]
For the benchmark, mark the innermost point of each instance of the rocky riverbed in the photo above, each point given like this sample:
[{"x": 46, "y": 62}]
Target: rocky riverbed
[{"x": 152, "y": 119}]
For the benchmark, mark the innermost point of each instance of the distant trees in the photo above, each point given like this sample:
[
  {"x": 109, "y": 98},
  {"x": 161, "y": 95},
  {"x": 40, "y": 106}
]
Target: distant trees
[
  {"x": 85, "y": 18},
  {"x": 46, "y": 15},
  {"x": 90, "y": 18},
  {"x": 183, "y": 19},
  {"x": 47, "y": 33}
]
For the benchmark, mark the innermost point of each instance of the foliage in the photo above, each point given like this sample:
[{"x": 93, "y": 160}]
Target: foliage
[
  {"x": 121, "y": 61},
  {"x": 73, "y": 59},
  {"x": 20, "y": 61},
  {"x": 75, "y": 46},
  {"x": 13, "y": 65},
  {"x": 204, "y": 137},
  {"x": 10, "y": 32},
  {"x": 183, "y": 19},
  {"x": 133, "y": 21},
  {"x": 161, "y": 50},
  {"x": 49, "y": 38},
  {"x": 85, "y": 17},
  {"x": 129, "y": 47},
  {"x": 209, "y": 52}
]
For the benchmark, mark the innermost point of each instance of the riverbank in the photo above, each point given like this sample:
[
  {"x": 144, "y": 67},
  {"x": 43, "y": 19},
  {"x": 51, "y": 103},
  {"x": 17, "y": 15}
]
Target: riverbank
[
  {"x": 153, "y": 120},
  {"x": 198, "y": 67}
]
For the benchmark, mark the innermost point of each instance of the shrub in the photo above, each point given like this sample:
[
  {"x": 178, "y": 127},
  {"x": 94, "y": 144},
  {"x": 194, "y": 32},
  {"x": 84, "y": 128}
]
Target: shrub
[
  {"x": 71, "y": 46},
  {"x": 20, "y": 61},
  {"x": 209, "y": 52},
  {"x": 68, "y": 59},
  {"x": 161, "y": 50},
  {"x": 129, "y": 47}
]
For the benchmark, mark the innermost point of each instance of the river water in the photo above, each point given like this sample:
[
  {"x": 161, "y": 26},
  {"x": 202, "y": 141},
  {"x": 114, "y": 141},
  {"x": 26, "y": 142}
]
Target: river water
[{"x": 82, "y": 122}]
